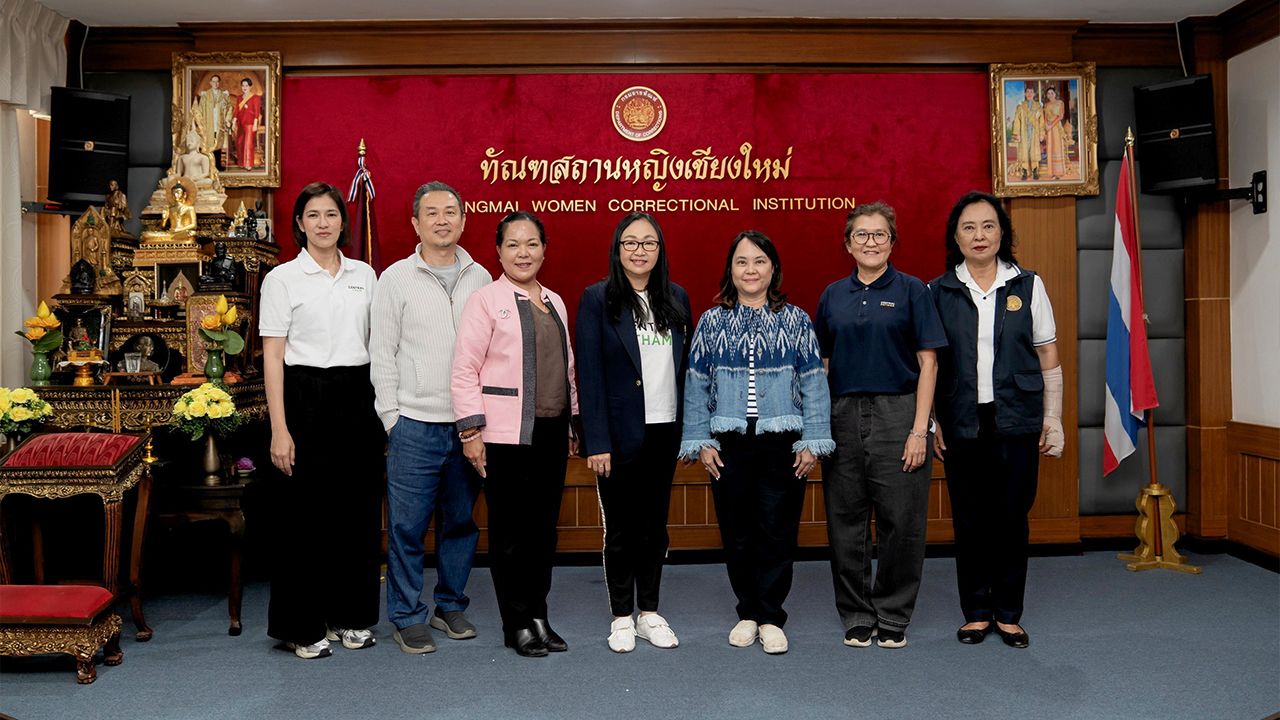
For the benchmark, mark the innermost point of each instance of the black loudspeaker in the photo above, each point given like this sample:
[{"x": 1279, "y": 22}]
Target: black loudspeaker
[
  {"x": 1176, "y": 144},
  {"x": 88, "y": 145}
]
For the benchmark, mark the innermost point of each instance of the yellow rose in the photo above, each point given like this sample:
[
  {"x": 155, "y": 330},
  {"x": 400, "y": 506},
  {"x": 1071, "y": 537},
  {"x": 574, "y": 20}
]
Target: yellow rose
[
  {"x": 229, "y": 317},
  {"x": 211, "y": 322},
  {"x": 35, "y": 333},
  {"x": 216, "y": 410},
  {"x": 180, "y": 407},
  {"x": 18, "y": 414},
  {"x": 4, "y": 405},
  {"x": 221, "y": 307},
  {"x": 22, "y": 395},
  {"x": 52, "y": 322},
  {"x": 197, "y": 409},
  {"x": 33, "y": 322},
  {"x": 4, "y": 394}
]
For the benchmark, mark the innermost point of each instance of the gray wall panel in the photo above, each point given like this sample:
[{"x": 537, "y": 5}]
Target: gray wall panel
[
  {"x": 1158, "y": 216},
  {"x": 1115, "y": 103},
  {"x": 1168, "y": 365},
  {"x": 1116, "y": 493}
]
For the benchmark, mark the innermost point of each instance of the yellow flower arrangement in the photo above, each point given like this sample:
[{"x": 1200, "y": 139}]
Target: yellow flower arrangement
[
  {"x": 42, "y": 330},
  {"x": 206, "y": 408},
  {"x": 216, "y": 328},
  {"x": 21, "y": 409}
]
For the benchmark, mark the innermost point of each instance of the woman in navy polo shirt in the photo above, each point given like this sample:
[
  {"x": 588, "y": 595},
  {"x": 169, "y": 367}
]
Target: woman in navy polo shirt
[
  {"x": 999, "y": 405},
  {"x": 878, "y": 330}
]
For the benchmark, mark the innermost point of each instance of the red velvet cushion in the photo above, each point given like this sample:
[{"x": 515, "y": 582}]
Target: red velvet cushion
[
  {"x": 72, "y": 449},
  {"x": 52, "y": 604}
]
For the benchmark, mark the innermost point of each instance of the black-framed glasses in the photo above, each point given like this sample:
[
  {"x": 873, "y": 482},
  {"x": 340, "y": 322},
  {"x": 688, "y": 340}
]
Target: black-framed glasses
[
  {"x": 634, "y": 245},
  {"x": 862, "y": 237}
]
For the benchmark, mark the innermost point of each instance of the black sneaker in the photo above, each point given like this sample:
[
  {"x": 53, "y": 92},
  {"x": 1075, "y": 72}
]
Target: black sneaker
[
  {"x": 415, "y": 639},
  {"x": 890, "y": 638},
  {"x": 859, "y": 636},
  {"x": 453, "y": 623}
]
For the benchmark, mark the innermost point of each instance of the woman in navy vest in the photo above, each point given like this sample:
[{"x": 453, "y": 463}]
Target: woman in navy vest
[
  {"x": 999, "y": 407},
  {"x": 632, "y": 340},
  {"x": 879, "y": 334}
]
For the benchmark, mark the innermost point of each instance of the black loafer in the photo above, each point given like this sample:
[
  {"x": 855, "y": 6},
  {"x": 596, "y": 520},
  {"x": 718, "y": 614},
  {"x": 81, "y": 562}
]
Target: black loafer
[
  {"x": 973, "y": 636},
  {"x": 526, "y": 643},
  {"x": 1013, "y": 639},
  {"x": 549, "y": 637}
]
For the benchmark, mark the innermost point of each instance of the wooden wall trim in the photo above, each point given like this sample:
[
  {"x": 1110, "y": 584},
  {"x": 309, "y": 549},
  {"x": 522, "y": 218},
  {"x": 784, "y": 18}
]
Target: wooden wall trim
[
  {"x": 1253, "y": 486},
  {"x": 1248, "y": 25},
  {"x": 613, "y": 45}
]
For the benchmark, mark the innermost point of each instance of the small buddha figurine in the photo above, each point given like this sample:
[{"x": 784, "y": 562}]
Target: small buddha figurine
[
  {"x": 178, "y": 221},
  {"x": 78, "y": 336},
  {"x": 84, "y": 279},
  {"x": 116, "y": 209},
  {"x": 221, "y": 270},
  {"x": 237, "y": 222}
]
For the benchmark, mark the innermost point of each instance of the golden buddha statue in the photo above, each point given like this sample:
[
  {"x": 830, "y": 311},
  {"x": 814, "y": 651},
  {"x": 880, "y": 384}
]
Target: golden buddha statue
[{"x": 178, "y": 219}]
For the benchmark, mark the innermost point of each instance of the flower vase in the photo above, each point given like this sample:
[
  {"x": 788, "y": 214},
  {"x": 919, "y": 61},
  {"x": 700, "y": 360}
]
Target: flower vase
[
  {"x": 214, "y": 368},
  {"x": 212, "y": 463},
  {"x": 8, "y": 443},
  {"x": 40, "y": 369}
]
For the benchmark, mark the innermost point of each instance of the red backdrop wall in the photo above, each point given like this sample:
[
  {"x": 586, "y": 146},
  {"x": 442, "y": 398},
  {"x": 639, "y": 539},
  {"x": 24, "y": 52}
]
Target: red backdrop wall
[{"x": 917, "y": 141}]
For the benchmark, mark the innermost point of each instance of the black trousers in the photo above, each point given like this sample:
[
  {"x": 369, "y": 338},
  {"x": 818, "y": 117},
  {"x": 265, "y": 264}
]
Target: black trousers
[
  {"x": 327, "y": 517},
  {"x": 992, "y": 483},
  {"x": 523, "y": 491},
  {"x": 758, "y": 500},
  {"x": 635, "y": 500},
  {"x": 865, "y": 473}
]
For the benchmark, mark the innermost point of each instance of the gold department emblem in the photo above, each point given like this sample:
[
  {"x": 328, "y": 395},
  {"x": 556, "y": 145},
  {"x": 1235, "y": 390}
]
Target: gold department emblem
[
  {"x": 1013, "y": 304},
  {"x": 639, "y": 113}
]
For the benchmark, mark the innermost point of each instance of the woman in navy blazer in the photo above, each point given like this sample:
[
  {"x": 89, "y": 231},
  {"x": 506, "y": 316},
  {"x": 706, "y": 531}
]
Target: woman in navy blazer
[{"x": 633, "y": 348}]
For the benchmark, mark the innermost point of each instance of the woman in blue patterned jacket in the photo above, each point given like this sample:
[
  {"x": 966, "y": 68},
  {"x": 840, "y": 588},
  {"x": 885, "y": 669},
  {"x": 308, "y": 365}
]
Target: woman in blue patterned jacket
[{"x": 757, "y": 416}]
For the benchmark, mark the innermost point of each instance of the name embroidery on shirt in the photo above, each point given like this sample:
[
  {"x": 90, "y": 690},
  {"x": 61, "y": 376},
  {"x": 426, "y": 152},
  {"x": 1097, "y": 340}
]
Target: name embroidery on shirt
[{"x": 887, "y": 303}]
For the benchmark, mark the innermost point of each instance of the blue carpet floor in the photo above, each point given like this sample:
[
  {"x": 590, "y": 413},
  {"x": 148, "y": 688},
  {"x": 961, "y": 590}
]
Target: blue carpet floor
[{"x": 1106, "y": 643}]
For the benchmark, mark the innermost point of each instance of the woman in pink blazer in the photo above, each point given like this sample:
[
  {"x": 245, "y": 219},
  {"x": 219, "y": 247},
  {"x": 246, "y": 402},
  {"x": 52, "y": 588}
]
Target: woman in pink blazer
[{"x": 514, "y": 399}]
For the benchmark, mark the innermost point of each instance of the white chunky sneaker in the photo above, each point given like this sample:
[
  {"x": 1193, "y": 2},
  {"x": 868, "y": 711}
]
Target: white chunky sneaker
[
  {"x": 351, "y": 639},
  {"x": 317, "y": 649},
  {"x": 744, "y": 633},
  {"x": 654, "y": 628},
  {"x": 622, "y": 635},
  {"x": 773, "y": 639}
]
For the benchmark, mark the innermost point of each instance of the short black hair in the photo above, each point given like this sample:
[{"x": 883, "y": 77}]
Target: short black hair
[
  {"x": 309, "y": 193},
  {"x": 1005, "y": 253},
  {"x": 517, "y": 216},
  {"x": 728, "y": 295}
]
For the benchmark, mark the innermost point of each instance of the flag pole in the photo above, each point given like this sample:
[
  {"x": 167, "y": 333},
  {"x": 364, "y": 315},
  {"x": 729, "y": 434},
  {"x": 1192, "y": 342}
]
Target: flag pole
[
  {"x": 368, "y": 229},
  {"x": 1155, "y": 528}
]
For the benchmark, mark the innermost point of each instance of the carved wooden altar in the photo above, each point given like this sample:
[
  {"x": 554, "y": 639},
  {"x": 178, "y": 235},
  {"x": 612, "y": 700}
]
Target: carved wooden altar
[{"x": 137, "y": 407}]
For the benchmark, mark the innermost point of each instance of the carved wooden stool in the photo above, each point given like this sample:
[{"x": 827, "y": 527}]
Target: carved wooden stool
[
  {"x": 60, "y": 465},
  {"x": 71, "y": 619}
]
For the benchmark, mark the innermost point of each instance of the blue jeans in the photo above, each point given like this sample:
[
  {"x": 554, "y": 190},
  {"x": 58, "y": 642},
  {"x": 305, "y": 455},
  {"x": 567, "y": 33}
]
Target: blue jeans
[{"x": 425, "y": 472}]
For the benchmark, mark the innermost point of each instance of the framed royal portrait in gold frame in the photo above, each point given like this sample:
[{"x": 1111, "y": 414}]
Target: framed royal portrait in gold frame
[
  {"x": 1044, "y": 129},
  {"x": 233, "y": 100}
]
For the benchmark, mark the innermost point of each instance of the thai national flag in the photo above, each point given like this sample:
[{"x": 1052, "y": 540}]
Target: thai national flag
[{"x": 1130, "y": 387}]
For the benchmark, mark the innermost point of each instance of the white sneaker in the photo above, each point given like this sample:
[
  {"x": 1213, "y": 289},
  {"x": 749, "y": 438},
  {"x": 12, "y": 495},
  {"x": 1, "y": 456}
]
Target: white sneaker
[
  {"x": 654, "y": 628},
  {"x": 773, "y": 639},
  {"x": 351, "y": 639},
  {"x": 318, "y": 649},
  {"x": 622, "y": 635},
  {"x": 744, "y": 633}
]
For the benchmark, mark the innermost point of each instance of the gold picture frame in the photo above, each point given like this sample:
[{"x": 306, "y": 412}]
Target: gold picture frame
[
  {"x": 1044, "y": 129},
  {"x": 218, "y": 93}
]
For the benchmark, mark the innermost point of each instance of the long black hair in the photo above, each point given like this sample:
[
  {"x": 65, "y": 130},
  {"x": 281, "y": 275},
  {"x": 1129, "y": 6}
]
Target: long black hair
[
  {"x": 728, "y": 295},
  {"x": 667, "y": 313},
  {"x": 1005, "y": 252}
]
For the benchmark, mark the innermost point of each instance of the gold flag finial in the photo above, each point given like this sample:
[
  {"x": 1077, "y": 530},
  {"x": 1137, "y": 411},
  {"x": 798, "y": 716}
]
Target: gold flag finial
[
  {"x": 362, "y": 147},
  {"x": 1128, "y": 137}
]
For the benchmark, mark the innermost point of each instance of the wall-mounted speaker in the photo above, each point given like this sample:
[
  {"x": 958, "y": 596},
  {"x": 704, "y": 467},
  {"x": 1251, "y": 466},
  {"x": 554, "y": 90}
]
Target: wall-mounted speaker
[
  {"x": 88, "y": 145},
  {"x": 1176, "y": 145}
]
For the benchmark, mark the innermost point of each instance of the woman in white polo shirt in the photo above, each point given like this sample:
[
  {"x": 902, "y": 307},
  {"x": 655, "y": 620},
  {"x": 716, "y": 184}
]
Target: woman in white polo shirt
[{"x": 326, "y": 439}]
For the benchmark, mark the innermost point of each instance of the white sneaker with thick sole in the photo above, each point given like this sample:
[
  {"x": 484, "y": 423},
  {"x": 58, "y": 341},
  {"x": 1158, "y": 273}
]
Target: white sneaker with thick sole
[
  {"x": 351, "y": 639},
  {"x": 773, "y": 640},
  {"x": 654, "y": 628},
  {"x": 622, "y": 635},
  {"x": 744, "y": 633},
  {"x": 317, "y": 649}
]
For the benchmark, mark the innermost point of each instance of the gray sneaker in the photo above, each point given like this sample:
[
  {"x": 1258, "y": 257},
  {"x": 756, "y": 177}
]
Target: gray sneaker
[
  {"x": 453, "y": 623},
  {"x": 415, "y": 639}
]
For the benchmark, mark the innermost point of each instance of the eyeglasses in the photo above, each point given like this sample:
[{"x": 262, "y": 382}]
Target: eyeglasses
[
  {"x": 634, "y": 245},
  {"x": 862, "y": 237}
]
